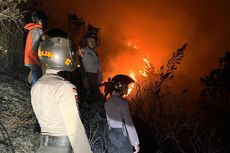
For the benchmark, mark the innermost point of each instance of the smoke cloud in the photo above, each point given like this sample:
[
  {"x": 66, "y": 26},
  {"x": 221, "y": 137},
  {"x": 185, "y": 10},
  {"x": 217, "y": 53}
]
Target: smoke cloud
[{"x": 155, "y": 28}]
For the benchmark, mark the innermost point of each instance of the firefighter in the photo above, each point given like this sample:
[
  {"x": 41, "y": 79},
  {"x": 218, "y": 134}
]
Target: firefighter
[
  {"x": 122, "y": 133},
  {"x": 55, "y": 100},
  {"x": 91, "y": 64},
  {"x": 39, "y": 21}
]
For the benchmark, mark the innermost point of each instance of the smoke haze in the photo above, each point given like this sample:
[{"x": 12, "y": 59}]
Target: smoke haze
[{"x": 157, "y": 28}]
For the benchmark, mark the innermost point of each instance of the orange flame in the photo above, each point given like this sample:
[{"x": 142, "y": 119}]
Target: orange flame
[
  {"x": 130, "y": 88},
  {"x": 146, "y": 62},
  {"x": 132, "y": 75},
  {"x": 143, "y": 73}
]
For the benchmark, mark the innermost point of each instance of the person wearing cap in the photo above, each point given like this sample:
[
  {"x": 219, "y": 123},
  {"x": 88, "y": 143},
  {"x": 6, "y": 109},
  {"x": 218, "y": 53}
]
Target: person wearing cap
[
  {"x": 55, "y": 100},
  {"x": 91, "y": 64},
  {"x": 122, "y": 133},
  {"x": 39, "y": 21}
]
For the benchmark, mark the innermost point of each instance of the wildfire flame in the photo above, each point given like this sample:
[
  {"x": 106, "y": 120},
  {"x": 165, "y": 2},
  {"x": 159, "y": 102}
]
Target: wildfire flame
[
  {"x": 130, "y": 88},
  {"x": 132, "y": 75},
  {"x": 143, "y": 73},
  {"x": 146, "y": 62}
]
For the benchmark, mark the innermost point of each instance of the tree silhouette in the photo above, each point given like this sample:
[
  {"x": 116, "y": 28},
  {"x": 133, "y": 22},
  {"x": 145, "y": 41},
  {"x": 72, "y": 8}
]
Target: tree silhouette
[{"x": 217, "y": 84}]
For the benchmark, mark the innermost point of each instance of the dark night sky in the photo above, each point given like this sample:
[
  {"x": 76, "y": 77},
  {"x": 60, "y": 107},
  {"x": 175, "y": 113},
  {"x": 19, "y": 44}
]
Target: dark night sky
[{"x": 157, "y": 27}]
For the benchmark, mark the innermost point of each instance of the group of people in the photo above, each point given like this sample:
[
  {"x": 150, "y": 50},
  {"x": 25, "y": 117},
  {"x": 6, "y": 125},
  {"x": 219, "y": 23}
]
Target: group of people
[{"x": 50, "y": 53}]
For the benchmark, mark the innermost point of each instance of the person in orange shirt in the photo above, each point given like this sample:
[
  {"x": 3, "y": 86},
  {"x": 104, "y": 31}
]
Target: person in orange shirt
[{"x": 39, "y": 21}]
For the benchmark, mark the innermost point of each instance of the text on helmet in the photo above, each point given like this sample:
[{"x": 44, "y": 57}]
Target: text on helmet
[{"x": 45, "y": 54}]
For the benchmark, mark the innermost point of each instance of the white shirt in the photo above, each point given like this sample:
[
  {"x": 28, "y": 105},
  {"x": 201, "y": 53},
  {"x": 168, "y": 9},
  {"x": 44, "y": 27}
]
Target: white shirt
[
  {"x": 55, "y": 106},
  {"x": 91, "y": 62}
]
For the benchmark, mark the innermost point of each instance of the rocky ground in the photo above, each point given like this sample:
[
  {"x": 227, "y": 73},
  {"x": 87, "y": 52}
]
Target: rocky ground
[{"x": 17, "y": 121}]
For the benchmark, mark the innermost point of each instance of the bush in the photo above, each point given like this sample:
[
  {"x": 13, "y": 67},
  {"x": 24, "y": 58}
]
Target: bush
[{"x": 175, "y": 128}]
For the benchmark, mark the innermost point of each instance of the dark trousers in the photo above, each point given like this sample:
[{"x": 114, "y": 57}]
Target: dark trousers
[
  {"x": 36, "y": 71},
  {"x": 118, "y": 142},
  {"x": 93, "y": 85}
]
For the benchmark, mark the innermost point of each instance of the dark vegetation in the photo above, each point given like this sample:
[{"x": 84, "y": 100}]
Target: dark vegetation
[
  {"x": 177, "y": 128},
  {"x": 164, "y": 122},
  {"x": 13, "y": 15}
]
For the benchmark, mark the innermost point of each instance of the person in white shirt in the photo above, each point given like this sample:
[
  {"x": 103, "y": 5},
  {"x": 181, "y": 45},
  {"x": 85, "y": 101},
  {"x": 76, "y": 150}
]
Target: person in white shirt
[
  {"x": 92, "y": 77},
  {"x": 122, "y": 133},
  {"x": 55, "y": 100}
]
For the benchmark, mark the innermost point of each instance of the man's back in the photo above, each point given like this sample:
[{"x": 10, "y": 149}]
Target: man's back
[
  {"x": 44, "y": 96},
  {"x": 55, "y": 105}
]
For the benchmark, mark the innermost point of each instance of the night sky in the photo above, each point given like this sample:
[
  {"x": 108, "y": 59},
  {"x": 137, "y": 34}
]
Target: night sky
[{"x": 157, "y": 28}]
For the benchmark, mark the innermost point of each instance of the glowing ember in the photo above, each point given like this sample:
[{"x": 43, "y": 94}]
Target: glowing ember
[
  {"x": 143, "y": 73},
  {"x": 146, "y": 62},
  {"x": 132, "y": 44}
]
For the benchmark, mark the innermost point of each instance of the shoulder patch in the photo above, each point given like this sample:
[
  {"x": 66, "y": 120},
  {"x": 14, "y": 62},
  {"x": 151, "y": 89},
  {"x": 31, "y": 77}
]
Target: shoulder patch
[
  {"x": 75, "y": 90},
  {"x": 76, "y": 95}
]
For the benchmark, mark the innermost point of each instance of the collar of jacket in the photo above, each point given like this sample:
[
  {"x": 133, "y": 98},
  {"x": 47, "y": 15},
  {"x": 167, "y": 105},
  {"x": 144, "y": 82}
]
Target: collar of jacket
[
  {"x": 31, "y": 26},
  {"x": 52, "y": 71}
]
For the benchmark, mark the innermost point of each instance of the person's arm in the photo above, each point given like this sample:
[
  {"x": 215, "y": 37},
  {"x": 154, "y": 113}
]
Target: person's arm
[
  {"x": 74, "y": 127},
  {"x": 130, "y": 126},
  {"x": 35, "y": 34},
  {"x": 85, "y": 57}
]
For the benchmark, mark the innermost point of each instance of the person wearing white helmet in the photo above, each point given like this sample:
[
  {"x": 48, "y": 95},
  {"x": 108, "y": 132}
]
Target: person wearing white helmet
[{"x": 54, "y": 99}]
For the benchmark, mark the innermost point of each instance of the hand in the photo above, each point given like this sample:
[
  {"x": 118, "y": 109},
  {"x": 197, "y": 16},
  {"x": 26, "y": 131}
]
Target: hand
[
  {"x": 137, "y": 148},
  {"x": 81, "y": 52}
]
